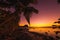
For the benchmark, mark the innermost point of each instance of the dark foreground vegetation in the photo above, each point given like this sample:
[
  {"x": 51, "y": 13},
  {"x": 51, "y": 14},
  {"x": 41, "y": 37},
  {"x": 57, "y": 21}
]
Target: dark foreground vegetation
[{"x": 22, "y": 33}]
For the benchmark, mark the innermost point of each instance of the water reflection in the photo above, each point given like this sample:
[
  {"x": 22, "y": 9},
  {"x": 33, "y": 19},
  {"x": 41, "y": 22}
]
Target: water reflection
[{"x": 49, "y": 31}]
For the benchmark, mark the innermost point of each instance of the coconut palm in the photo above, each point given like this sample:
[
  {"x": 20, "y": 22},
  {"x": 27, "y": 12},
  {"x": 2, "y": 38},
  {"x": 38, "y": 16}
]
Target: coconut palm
[
  {"x": 19, "y": 5},
  {"x": 11, "y": 19}
]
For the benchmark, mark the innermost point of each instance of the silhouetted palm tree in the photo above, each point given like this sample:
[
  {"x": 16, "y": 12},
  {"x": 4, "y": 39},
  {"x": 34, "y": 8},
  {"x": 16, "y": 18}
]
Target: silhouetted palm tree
[
  {"x": 11, "y": 19},
  {"x": 19, "y": 6},
  {"x": 28, "y": 13},
  {"x": 58, "y": 22},
  {"x": 28, "y": 10}
]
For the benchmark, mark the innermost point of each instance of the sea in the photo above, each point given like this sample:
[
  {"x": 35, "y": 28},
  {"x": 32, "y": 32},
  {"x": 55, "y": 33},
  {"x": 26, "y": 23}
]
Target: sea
[{"x": 48, "y": 31}]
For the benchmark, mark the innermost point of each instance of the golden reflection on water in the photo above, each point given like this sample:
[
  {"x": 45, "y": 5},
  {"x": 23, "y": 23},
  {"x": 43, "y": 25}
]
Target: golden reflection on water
[{"x": 50, "y": 31}]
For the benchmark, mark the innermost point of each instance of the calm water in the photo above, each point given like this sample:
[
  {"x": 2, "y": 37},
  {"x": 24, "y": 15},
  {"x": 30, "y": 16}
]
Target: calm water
[{"x": 50, "y": 31}]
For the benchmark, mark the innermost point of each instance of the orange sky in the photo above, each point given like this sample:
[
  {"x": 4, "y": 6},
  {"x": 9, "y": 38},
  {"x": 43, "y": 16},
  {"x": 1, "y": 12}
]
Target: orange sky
[{"x": 49, "y": 12}]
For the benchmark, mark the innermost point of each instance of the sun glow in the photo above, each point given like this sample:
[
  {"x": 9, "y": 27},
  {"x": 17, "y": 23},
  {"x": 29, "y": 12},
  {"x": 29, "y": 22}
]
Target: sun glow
[{"x": 38, "y": 25}]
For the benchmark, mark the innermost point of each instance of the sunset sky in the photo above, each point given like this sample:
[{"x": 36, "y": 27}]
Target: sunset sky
[{"x": 49, "y": 12}]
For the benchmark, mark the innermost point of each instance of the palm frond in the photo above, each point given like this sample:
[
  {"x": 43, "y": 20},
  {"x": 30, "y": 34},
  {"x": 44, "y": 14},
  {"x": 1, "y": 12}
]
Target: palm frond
[
  {"x": 28, "y": 13},
  {"x": 4, "y": 3},
  {"x": 27, "y": 2}
]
